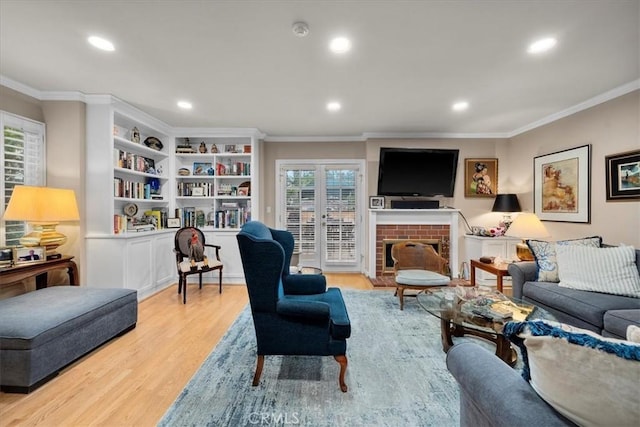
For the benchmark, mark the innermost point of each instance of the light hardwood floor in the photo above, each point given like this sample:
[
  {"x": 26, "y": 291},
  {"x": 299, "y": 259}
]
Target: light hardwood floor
[{"x": 132, "y": 380}]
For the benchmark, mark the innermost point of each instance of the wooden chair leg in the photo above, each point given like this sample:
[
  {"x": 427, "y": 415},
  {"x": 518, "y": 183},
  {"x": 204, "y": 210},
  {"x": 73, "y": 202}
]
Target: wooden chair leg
[
  {"x": 342, "y": 360},
  {"x": 401, "y": 297},
  {"x": 259, "y": 365},
  {"x": 220, "y": 279},
  {"x": 184, "y": 291},
  {"x": 179, "y": 284},
  {"x": 200, "y": 280}
]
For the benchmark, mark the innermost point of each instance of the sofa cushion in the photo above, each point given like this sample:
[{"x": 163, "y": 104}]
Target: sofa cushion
[
  {"x": 589, "y": 366},
  {"x": 421, "y": 278},
  {"x": 616, "y": 322},
  {"x": 585, "y": 305},
  {"x": 544, "y": 253},
  {"x": 610, "y": 270}
]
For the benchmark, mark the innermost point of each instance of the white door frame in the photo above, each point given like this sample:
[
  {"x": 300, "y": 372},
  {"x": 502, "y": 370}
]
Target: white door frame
[{"x": 361, "y": 203}]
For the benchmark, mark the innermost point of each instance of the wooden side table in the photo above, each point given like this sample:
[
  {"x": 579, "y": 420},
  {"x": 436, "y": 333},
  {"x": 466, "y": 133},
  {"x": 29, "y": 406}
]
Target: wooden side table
[
  {"x": 39, "y": 270},
  {"x": 500, "y": 270}
]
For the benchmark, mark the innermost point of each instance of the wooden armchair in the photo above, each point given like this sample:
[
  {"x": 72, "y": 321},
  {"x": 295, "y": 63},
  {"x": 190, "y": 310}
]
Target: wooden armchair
[{"x": 417, "y": 266}]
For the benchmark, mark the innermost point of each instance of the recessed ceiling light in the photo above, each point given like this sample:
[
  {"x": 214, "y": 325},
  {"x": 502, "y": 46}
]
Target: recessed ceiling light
[
  {"x": 340, "y": 45},
  {"x": 185, "y": 105},
  {"x": 542, "y": 45},
  {"x": 102, "y": 44},
  {"x": 333, "y": 106},
  {"x": 460, "y": 106}
]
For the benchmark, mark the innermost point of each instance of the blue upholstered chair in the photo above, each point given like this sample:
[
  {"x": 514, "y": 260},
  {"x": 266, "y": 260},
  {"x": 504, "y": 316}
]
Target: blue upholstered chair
[{"x": 293, "y": 314}]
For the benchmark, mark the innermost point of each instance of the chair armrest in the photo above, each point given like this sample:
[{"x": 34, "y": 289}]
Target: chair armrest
[
  {"x": 304, "y": 284},
  {"x": 216, "y": 247},
  {"x": 315, "y": 310},
  {"x": 492, "y": 393},
  {"x": 521, "y": 272}
]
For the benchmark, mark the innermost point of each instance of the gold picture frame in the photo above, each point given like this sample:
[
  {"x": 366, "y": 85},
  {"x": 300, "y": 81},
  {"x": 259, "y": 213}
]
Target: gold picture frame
[{"x": 480, "y": 177}]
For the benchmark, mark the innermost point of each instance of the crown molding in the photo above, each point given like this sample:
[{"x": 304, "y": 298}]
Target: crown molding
[
  {"x": 105, "y": 99},
  {"x": 20, "y": 87},
  {"x": 217, "y": 132},
  {"x": 592, "y": 102},
  {"x": 345, "y": 138}
]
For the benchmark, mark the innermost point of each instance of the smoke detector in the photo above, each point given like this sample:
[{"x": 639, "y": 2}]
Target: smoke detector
[{"x": 300, "y": 29}]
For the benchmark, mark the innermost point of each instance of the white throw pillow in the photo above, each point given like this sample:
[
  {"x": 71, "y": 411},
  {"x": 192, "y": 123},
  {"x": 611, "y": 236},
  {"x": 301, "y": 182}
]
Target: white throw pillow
[
  {"x": 633, "y": 333},
  {"x": 608, "y": 270},
  {"x": 589, "y": 379},
  {"x": 544, "y": 253}
]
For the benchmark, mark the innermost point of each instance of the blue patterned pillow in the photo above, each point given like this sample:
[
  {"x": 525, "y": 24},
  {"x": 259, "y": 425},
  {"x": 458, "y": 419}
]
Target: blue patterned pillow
[{"x": 545, "y": 255}]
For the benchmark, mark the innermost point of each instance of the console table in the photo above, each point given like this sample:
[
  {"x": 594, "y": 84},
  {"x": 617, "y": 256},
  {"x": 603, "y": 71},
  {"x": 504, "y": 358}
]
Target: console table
[{"x": 39, "y": 270}]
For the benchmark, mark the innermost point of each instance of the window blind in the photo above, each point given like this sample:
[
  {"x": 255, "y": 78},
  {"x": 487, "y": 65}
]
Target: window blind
[{"x": 22, "y": 151}]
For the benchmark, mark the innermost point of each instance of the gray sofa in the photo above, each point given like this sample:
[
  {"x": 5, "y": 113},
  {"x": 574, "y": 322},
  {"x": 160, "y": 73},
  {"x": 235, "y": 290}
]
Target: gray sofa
[
  {"x": 605, "y": 314},
  {"x": 492, "y": 394}
]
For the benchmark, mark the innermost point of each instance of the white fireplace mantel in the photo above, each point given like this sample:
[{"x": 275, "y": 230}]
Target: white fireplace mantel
[{"x": 409, "y": 217}]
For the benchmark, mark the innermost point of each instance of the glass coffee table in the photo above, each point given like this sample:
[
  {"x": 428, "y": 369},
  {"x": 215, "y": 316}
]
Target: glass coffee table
[{"x": 474, "y": 311}]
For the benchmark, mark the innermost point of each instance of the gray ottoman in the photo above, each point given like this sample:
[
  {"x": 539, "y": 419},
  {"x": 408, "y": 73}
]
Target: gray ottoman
[{"x": 43, "y": 331}]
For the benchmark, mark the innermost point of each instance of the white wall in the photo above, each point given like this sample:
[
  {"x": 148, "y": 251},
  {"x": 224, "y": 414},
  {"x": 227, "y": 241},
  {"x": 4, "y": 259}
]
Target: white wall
[{"x": 611, "y": 127}]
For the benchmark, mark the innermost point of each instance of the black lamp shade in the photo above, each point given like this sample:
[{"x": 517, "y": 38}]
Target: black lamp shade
[{"x": 506, "y": 203}]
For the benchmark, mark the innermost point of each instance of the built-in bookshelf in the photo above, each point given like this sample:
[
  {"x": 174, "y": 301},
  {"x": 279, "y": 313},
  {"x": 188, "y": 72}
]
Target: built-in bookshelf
[{"x": 214, "y": 180}]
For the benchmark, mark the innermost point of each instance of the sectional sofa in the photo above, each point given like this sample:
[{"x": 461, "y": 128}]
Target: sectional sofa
[{"x": 606, "y": 314}]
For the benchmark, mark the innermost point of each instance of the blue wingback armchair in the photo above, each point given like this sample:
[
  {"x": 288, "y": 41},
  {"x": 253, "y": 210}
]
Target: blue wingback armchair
[{"x": 293, "y": 314}]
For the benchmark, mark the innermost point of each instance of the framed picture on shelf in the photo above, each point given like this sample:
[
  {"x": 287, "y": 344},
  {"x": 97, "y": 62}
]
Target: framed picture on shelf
[
  {"x": 376, "y": 202},
  {"x": 202, "y": 169},
  {"x": 480, "y": 177},
  {"x": 197, "y": 191},
  {"x": 623, "y": 176},
  {"x": 561, "y": 185},
  {"x": 29, "y": 254},
  {"x": 173, "y": 222}
]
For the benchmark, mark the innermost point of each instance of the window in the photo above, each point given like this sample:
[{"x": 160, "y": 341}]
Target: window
[{"x": 22, "y": 152}]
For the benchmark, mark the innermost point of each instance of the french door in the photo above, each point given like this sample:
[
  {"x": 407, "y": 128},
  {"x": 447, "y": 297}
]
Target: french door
[{"x": 320, "y": 203}]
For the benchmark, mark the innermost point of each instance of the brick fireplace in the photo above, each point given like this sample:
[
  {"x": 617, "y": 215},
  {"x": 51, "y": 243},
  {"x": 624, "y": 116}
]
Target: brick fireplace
[{"x": 438, "y": 227}]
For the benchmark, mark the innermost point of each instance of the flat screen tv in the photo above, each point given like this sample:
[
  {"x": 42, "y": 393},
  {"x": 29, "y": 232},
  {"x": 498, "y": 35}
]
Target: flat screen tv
[{"x": 417, "y": 172}]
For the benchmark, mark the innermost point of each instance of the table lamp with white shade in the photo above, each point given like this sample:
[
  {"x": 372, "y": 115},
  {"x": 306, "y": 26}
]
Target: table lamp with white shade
[
  {"x": 526, "y": 226},
  {"x": 43, "y": 208}
]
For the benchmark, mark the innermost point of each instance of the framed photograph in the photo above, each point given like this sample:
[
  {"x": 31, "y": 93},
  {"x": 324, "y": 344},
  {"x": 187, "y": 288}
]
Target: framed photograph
[
  {"x": 197, "y": 191},
  {"x": 202, "y": 169},
  {"x": 562, "y": 185},
  {"x": 480, "y": 177},
  {"x": 6, "y": 256},
  {"x": 376, "y": 202},
  {"x": 173, "y": 222},
  {"x": 623, "y": 175},
  {"x": 29, "y": 254}
]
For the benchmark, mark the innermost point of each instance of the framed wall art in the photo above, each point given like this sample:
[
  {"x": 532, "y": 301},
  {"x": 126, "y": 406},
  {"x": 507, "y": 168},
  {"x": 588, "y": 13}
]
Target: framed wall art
[
  {"x": 562, "y": 185},
  {"x": 480, "y": 177},
  {"x": 623, "y": 176},
  {"x": 376, "y": 202}
]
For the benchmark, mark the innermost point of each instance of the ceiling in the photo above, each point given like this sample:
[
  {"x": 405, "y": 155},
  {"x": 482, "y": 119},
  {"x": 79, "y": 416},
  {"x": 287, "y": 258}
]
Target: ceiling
[{"x": 240, "y": 64}]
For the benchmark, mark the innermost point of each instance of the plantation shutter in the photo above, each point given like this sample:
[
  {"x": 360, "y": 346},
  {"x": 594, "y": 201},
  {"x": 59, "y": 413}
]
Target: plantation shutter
[
  {"x": 300, "y": 202},
  {"x": 340, "y": 187},
  {"x": 23, "y": 159}
]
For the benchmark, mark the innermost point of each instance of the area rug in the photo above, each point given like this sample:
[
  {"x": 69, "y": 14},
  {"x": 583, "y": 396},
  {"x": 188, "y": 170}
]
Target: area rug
[{"x": 396, "y": 376}]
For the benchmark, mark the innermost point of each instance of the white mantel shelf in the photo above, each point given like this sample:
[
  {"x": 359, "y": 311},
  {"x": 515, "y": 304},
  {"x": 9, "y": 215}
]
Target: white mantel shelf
[{"x": 414, "y": 216}]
